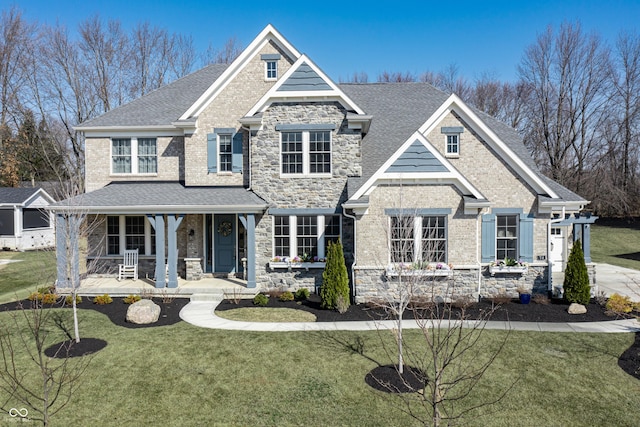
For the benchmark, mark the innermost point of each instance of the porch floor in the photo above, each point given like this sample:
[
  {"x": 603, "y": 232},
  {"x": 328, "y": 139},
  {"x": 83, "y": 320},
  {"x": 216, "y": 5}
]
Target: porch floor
[{"x": 208, "y": 288}]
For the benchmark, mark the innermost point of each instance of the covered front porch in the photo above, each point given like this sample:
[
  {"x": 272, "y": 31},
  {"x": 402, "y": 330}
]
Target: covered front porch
[
  {"x": 177, "y": 233},
  {"x": 206, "y": 288}
]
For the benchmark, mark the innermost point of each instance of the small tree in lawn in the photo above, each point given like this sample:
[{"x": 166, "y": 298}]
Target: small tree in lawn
[
  {"x": 576, "y": 278},
  {"x": 335, "y": 280}
]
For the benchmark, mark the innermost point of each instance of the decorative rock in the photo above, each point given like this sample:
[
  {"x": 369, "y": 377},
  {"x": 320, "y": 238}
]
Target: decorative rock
[
  {"x": 143, "y": 312},
  {"x": 577, "y": 309}
]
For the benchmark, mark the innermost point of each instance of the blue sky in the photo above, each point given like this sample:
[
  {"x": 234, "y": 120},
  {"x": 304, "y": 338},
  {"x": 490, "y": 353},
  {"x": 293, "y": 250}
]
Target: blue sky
[{"x": 346, "y": 37}]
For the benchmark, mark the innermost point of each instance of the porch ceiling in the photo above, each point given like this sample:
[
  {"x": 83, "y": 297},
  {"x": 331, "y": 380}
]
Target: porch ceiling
[{"x": 163, "y": 198}]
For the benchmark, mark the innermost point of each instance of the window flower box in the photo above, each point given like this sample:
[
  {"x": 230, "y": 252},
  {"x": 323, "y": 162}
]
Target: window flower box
[
  {"x": 508, "y": 266},
  {"x": 296, "y": 263},
  {"x": 419, "y": 270}
]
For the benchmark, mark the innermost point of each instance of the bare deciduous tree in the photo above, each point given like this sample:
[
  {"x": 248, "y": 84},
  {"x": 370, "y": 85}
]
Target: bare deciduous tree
[{"x": 28, "y": 376}]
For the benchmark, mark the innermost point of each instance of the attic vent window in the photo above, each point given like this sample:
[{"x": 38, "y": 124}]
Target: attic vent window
[
  {"x": 270, "y": 66},
  {"x": 452, "y": 140}
]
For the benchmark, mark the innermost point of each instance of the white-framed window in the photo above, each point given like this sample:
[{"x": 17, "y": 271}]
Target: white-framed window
[
  {"x": 130, "y": 232},
  {"x": 305, "y": 153},
  {"x": 506, "y": 236},
  {"x": 225, "y": 152},
  {"x": 453, "y": 144},
  {"x": 418, "y": 238},
  {"x": 271, "y": 69},
  {"x": 300, "y": 235},
  {"x": 134, "y": 156}
]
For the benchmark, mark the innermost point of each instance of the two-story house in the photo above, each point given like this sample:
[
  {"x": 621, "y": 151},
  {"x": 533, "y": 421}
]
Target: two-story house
[{"x": 254, "y": 167}]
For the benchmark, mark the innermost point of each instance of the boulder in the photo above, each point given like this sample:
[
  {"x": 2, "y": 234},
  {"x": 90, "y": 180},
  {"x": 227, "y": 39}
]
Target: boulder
[
  {"x": 143, "y": 312},
  {"x": 575, "y": 308}
]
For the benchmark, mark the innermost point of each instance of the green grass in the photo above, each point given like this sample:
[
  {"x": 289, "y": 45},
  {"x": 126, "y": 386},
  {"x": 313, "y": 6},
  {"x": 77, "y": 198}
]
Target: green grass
[
  {"x": 33, "y": 269},
  {"x": 267, "y": 314},
  {"x": 182, "y": 375},
  {"x": 609, "y": 243}
]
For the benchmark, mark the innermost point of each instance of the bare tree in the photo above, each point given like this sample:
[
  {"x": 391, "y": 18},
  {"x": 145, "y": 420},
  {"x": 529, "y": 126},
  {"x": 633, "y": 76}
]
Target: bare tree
[
  {"x": 230, "y": 51},
  {"x": 568, "y": 76},
  {"x": 395, "y": 77},
  {"x": 43, "y": 383},
  {"x": 361, "y": 77}
]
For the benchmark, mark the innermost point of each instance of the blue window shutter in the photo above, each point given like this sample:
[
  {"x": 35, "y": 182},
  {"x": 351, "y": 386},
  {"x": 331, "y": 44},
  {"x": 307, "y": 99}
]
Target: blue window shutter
[
  {"x": 488, "y": 237},
  {"x": 236, "y": 156},
  {"x": 212, "y": 152},
  {"x": 526, "y": 238}
]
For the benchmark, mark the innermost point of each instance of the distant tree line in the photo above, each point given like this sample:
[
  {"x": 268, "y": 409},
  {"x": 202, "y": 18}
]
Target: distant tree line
[
  {"x": 576, "y": 101},
  {"x": 53, "y": 78}
]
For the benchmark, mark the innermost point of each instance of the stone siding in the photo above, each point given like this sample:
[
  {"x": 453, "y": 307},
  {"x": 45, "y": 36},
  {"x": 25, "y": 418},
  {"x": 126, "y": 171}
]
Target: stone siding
[
  {"x": 372, "y": 283},
  {"x": 98, "y": 155},
  {"x": 238, "y": 97}
]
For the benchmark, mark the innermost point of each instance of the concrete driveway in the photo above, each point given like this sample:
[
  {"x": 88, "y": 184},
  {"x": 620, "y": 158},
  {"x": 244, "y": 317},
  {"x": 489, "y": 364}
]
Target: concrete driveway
[{"x": 618, "y": 280}]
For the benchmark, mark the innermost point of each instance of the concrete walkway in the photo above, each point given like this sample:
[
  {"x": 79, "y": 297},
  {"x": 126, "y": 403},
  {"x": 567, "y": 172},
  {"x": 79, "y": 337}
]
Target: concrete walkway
[
  {"x": 201, "y": 313},
  {"x": 612, "y": 279}
]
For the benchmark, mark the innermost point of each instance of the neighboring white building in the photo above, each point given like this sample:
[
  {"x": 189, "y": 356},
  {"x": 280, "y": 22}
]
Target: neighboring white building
[{"x": 24, "y": 222}]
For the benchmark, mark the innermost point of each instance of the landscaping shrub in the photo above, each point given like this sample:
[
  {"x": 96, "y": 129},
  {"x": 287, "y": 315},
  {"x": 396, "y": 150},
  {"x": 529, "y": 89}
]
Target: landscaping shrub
[
  {"x": 49, "y": 298},
  {"x": 261, "y": 300},
  {"x": 286, "y": 296},
  {"x": 335, "y": 281},
  {"x": 302, "y": 294},
  {"x": 619, "y": 304},
  {"x": 342, "y": 305},
  {"x": 35, "y": 296},
  {"x": 576, "y": 279},
  {"x": 130, "y": 299},
  {"x": 541, "y": 299},
  {"x": 501, "y": 299},
  {"x": 102, "y": 299},
  {"x": 69, "y": 299}
]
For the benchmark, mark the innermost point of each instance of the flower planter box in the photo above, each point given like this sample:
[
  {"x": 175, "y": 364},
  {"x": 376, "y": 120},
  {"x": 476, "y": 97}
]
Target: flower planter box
[
  {"x": 295, "y": 265},
  {"x": 493, "y": 270},
  {"x": 414, "y": 273}
]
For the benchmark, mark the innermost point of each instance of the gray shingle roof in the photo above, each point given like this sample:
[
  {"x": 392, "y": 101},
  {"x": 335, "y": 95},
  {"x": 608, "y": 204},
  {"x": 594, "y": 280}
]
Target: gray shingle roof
[
  {"x": 399, "y": 109},
  {"x": 163, "y": 197},
  {"x": 163, "y": 105},
  {"x": 16, "y": 196}
]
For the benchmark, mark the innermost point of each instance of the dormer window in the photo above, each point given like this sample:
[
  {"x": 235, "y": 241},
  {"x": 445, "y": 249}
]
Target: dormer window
[
  {"x": 270, "y": 65},
  {"x": 452, "y": 140}
]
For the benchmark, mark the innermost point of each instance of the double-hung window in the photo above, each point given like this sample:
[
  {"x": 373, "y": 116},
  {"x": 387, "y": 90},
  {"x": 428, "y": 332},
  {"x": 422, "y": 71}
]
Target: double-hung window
[
  {"x": 225, "y": 150},
  {"x": 134, "y": 156},
  {"x": 452, "y": 140},
  {"x": 506, "y": 236},
  {"x": 305, "y": 152},
  {"x": 129, "y": 232},
  {"x": 304, "y": 235},
  {"x": 271, "y": 70},
  {"x": 418, "y": 238}
]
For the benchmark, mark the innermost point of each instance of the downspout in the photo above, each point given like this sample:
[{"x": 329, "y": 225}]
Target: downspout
[
  {"x": 549, "y": 263},
  {"x": 355, "y": 240}
]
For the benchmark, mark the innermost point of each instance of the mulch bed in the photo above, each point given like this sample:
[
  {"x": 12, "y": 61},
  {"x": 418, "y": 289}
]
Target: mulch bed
[
  {"x": 117, "y": 310},
  {"x": 71, "y": 348},
  {"x": 555, "y": 311},
  {"x": 387, "y": 378}
]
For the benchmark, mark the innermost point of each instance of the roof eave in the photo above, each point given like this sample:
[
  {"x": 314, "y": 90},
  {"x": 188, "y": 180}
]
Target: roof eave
[{"x": 160, "y": 209}]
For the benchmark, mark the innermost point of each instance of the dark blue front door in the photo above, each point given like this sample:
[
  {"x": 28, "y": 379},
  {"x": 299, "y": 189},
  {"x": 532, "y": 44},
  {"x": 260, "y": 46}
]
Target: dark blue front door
[{"x": 224, "y": 243}]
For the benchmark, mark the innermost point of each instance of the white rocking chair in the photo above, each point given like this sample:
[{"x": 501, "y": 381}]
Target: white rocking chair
[{"x": 129, "y": 267}]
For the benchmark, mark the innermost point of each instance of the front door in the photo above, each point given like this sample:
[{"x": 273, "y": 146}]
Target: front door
[
  {"x": 224, "y": 243},
  {"x": 556, "y": 255}
]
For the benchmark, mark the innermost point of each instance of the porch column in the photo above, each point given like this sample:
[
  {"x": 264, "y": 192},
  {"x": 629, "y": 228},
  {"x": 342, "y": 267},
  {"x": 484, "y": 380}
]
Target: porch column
[
  {"x": 74, "y": 249},
  {"x": 157, "y": 223},
  {"x": 61, "y": 251},
  {"x": 172, "y": 245},
  {"x": 250, "y": 225}
]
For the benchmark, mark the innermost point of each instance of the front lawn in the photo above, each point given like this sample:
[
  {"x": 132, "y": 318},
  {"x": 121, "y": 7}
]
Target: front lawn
[
  {"x": 183, "y": 375},
  {"x": 616, "y": 242},
  {"x": 30, "y": 270}
]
